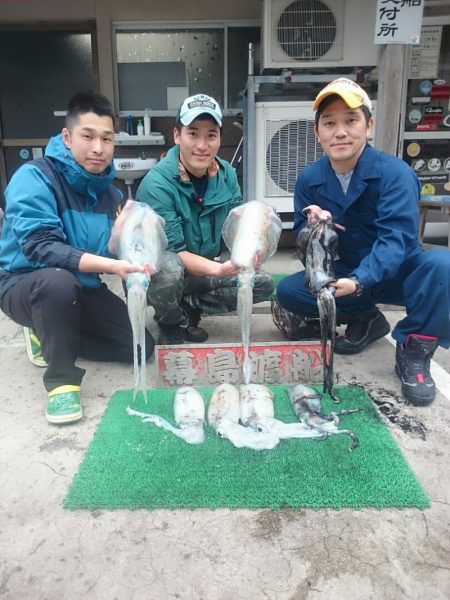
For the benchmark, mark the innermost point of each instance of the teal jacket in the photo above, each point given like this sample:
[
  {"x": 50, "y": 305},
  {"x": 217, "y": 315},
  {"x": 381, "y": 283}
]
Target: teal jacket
[
  {"x": 191, "y": 225},
  {"x": 56, "y": 211}
]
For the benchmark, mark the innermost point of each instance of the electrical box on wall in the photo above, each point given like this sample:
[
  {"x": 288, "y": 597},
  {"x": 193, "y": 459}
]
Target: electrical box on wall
[{"x": 318, "y": 33}]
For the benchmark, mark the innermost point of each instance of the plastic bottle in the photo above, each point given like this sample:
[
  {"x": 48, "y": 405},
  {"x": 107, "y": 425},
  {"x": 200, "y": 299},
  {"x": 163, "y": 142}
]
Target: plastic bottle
[
  {"x": 130, "y": 125},
  {"x": 146, "y": 122},
  {"x": 140, "y": 128}
]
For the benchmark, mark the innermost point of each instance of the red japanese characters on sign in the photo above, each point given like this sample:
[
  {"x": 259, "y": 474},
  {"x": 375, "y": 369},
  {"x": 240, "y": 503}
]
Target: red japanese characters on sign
[{"x": 272, "y": 363}]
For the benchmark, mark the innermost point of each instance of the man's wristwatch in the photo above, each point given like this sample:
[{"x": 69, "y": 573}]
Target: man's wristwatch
[{"x": 359, "y": 286}]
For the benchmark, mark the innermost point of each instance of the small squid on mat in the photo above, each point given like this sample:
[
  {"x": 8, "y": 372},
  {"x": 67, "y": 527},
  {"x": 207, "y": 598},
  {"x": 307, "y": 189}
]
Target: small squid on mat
[
  {"x": 189, "y": 412},
  {"x": 257, "y": 411},
  {"x": 307, "y": 406},
  {"x": 138, "y": 236},
  {"x": 223, "y": 416},
  {"x": 251, "y": 232}
]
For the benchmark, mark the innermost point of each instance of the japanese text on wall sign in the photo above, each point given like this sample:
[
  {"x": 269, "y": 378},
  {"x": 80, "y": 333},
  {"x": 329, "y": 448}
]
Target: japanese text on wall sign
[{"x": 398, "y": 21}]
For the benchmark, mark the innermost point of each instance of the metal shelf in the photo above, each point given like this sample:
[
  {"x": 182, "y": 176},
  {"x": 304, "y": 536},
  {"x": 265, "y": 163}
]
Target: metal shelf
[{"x": 154, "y": 139}]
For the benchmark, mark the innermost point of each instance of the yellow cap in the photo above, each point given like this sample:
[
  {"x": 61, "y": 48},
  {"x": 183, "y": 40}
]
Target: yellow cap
[{"x": 350, "y": 92}]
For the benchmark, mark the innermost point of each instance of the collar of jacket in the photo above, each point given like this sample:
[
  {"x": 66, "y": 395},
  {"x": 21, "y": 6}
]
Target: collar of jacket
[
  {"x": 179, "y": 172},
  {"x": 78, "y": 178},
  {"x": 367, "y": 167},
  {"x": 184, "y": 175}
]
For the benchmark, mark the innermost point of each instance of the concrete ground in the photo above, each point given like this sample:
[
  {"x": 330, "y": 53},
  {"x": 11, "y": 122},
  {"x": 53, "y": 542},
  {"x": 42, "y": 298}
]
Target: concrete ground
[{"x": 48, "y": 553}]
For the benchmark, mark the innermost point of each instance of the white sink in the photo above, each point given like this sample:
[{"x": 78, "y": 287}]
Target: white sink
[{"x": 130, "y": 169}]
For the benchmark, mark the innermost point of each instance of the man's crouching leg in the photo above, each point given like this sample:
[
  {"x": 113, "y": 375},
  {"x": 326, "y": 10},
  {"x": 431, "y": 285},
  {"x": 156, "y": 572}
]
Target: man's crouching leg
[{"x": 177, "y": 320}]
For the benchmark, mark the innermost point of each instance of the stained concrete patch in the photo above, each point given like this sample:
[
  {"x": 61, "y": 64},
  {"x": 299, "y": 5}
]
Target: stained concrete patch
[{"x": 60, "y": 443}]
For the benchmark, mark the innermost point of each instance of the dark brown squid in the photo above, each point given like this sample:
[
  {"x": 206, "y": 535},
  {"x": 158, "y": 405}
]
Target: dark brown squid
[{"x": 317, "y": 246}]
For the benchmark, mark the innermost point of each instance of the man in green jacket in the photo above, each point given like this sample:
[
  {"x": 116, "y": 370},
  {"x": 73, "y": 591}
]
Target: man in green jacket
[{"x": 194, "y": 190}]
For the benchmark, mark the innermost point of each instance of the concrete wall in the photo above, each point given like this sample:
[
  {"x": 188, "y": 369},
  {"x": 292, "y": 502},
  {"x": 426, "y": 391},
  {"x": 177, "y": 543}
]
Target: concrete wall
[{"x": 104, "y": 12}]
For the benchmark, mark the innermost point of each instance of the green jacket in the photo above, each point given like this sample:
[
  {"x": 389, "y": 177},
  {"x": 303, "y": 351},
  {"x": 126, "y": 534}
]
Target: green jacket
[{"x": 190, "y": 225}]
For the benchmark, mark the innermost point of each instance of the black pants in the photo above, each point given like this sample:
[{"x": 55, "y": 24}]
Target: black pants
[{"x": 71, "y": 321}]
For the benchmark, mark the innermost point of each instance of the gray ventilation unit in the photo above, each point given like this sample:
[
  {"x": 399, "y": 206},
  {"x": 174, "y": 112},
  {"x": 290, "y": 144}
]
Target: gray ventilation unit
[
  {"x": 318, "y": 33},
  {"x": 285, "y": 144}
]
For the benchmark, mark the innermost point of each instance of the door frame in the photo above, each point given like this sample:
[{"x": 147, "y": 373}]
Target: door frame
[{"x": 88, "y": 26}]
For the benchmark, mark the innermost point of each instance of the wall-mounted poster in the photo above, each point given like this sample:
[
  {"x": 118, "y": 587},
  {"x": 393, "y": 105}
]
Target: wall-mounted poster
[{"x": 425, "y": 56}]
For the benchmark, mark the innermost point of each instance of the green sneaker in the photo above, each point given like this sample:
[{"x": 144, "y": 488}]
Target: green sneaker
[
  {"x": 64, "y": 404},
  {"x": 33, "y": 346}
]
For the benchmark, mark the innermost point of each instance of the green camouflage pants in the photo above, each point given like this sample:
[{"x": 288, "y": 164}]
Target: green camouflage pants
[{"x": 171, "y": 291}]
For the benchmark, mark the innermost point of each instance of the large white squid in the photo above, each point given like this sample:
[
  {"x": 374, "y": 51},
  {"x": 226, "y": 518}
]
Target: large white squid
[
  {"x": 138, "y": 236},
  {"x": 189, "y": 412},
  {"x": 251, "y": 232},
  {"x": 223, "y": 416}
]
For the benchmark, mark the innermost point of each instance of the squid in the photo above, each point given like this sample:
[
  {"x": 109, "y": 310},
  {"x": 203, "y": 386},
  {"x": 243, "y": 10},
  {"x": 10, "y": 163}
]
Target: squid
[
  {"x": 189, "y": 412},
  {"x": 251, "y": 233},
  {"x": 257, "y": 411},
  {"x": 317, "y": 246},
  {"x": 223, "y": 417},
  {"x": 306, "y": 404},
  {"x": 138, "y": 236}
]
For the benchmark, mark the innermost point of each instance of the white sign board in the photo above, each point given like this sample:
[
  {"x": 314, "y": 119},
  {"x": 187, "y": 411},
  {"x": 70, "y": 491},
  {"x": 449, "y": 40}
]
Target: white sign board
[
  {"x": 398, "y": 21},
  {"x": 425, "y": 57}
]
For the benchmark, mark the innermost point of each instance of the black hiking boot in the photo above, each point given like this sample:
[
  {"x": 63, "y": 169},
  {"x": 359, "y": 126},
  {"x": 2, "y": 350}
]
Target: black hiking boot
[
  {"x": 412, "y": 365},
  {"x": 362, "y": 330},
  {"x": 193, "y": 333},
  {"x": 292, "y": 326},
  {"x": 171, "y": 335}
]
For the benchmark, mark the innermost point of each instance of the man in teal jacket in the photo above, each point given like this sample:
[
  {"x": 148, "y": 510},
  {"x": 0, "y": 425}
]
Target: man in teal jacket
[
  {"x": 194, "y": 190},
  {"x": 374, "y": 197},
  {"x": 58, "y": 219}
]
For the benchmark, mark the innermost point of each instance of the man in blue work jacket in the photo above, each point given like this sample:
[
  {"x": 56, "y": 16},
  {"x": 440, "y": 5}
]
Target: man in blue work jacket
[{"x": 374, "y": 197}]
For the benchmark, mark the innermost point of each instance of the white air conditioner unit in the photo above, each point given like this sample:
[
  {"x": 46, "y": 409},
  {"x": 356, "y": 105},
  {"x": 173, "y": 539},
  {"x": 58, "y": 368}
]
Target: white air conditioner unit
[
  {"x": 318, "y": 33},
  {"x": 285, "y": 144}
]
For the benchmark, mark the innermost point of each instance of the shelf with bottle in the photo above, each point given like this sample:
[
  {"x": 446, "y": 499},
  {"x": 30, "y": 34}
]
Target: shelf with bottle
[{"x": 154, "y": 139}]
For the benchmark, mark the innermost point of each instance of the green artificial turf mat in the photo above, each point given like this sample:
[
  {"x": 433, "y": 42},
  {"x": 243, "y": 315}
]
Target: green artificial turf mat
[{"x": 131, "y": 464}]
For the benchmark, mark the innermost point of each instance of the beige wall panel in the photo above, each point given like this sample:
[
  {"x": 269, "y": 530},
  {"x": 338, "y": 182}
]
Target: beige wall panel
[
  {"x": 131, "y": 10},
  {"x": 161, "y": 10},
  {"x": 107, "y": 11},
  {"x": 47, "y": 10}
]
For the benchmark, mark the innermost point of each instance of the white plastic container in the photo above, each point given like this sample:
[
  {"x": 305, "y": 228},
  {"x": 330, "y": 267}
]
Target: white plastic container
[
  {"x": 140, "y": 128},
  {"x": 147, "y": 128}
]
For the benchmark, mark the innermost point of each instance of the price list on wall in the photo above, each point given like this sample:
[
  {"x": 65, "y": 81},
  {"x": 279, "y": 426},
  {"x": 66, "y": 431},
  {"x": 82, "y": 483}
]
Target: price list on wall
[{"x": 425, "y": 57}]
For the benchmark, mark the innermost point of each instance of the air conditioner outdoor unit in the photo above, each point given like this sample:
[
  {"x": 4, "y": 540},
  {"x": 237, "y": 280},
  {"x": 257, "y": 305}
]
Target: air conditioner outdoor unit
[
  {"x": 285, "y": 144},
  {"x": 318, "y": 33}
]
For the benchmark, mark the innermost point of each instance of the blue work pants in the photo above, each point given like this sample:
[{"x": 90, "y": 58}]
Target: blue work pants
[{"x": 422, "y": 286}]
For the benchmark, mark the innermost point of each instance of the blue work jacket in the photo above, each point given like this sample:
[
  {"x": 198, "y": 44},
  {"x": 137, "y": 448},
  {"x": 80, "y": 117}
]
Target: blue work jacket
[{"x": 379, "y": 212}]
